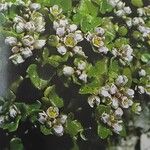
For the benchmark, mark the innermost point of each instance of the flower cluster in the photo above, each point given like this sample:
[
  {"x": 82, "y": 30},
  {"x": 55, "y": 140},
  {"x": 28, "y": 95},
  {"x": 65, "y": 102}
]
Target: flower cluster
[
  {"x": 78, "y": 71},
  {"x": 121, "y": 9},
  {"x": 97, "y": 40},
  {"x": 29, "y": 26},
  {"x": 67, "y": 34},
  {"x": 124, "y": 53},
  {"x": 118, "y": 97},
  {"x": 53, "y": 119}
]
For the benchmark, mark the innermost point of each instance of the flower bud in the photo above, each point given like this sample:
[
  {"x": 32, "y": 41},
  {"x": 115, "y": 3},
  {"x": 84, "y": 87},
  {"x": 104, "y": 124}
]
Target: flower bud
[
  {"x": 118, "y": 112},
  {"x": 28, "y": 40},
  {"x": 121, "y": 80},
  {"x": 142, "y": 73},
  {"x": 60, "y": 31},
  {"x": 38, "y": 44},
  {"x": 53, "y": 40},
  {"x": 12, "y": 41},
  {"x": 83, "y": 77},
  {"x": 81, "y": 65},
  {"x": 19, "y": 27},
  {"x": 68, "y": 71},
  {"x": 35, "y": 6},
  {"x": 26, "y": 52},
  {"x": 16, "y": 59},
  {"x": 58, "y": 129},
  {"x": 117, "y": 128},
  {"x": 29, "y": 26},
  {"x": 92, "y": 100},
  {"x": 72, "y": 28},
  {"x": 62, "y": 50}
]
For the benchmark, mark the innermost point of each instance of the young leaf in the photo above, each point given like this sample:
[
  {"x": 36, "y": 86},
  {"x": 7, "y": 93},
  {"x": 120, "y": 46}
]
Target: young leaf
[
  {"x": 16, "y": 144},
  {"x": 34, "y": 77}
]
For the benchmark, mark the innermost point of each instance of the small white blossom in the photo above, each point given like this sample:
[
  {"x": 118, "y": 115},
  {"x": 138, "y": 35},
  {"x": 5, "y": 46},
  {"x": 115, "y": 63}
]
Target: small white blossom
[
  {"x": 19, "y": 27},
  {"x": 83, "y": 77},
  {"x": 125, "y": 102},
  {"x": 12, "y": 112},
  {"x": 2, "y": 119},
  {"x": 58, "y": 129},
  {"x": 121, "y": 80},
  {"x": 99, "y": 30},
  {"x": 72, "y": 28},
  {"x": 28, "y": 40},
  {"x": 78, "y": 36},
  {"x": 120, "y": 5},
  {"x": 142, "y": 73},
  {"x": 104, "y": 92},
  {"x": 140, "y": 89},
  {"x": 117, "y": 127},
  {"x": 105, "y": 118},
  {"x": 113, "y": 2},
  {"x": 92, "y": 100},
  {"x": 29, "y": 26},
  {"x": 130, "y": 92},
  {"x": 127, "y": 10},
  {"x": 12, "y": 41},
  {"x": 62, "y": 50},
  {"x": 103, "y": 49},
  {"x": 63, "y": 119},
  {"x": 113, "y": 89},
  {"x": 38, "y": 44},
  {"x": 16, "y": 59},
  {"x": 35, "y": 6},
  {"x": 68, "y": 71},
  {"x": 141, "y": 12},
  {"x": 129, "y": 22},
  {"x": 115, "y": 103},
  {"x": 63, "y": 22},
  {"x": 78, "y": 50},
  {"x": 120, "y": 13},
  {"x": 118, "y": 112},
  {"x": 60, "y": 31},
  {"x": 42, "y": 117},
  {"x": 81, "y": 65},
  {"x": 26, "y": 52},
  {"x": 55, "y": 10}
]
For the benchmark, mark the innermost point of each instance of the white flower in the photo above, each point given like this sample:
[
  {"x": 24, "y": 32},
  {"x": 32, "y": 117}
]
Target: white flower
[
  {"x": 12, "y": 41},
  {"x": 26, "y": 52},
  {"x": 52, "y": 112},
  {"x": 115, "y": 103},
  {"x": 137, "y": 108},
  {"x": 129, "y": 22},
  {"x": 78, "y": 36},
  {"x": 78, "y": 50},
  {"x": 118, "y": 112},
  {"x": 29, "y": 26},
  {"x": 55, "y": 10},
  {"x": 113, "y": 2},
  {"x": 81, "y": 65},
  {"x": 113, "y": 89},
  {"x": 92, "y": 100},
  {"x": 130, "y": 93},
  {"x": 99, "y": 30},
  {"x": 89, "y": 36},
  {"x": 72, "y": 28},
  {"x": 62, "y": 50},
  {"x": 68, "y": 71},
  {"x": 120, "y": 5},
  {"x": 127, "y": 10},
  {"x": 63, "y": 22},
  {"x": 105, "y": 118},
  {"x": 103, "y": 49},
  {"x": 19, "y": 27},
  {"x": 117, "y": 127},
  {"x": 38, "y": 44},
  {"x": 121, "y": 80},
  {"x": 140, "y": 89},
  {"x": 42, "y": 117},
  {"x": 55, "y": 24},
  {"x": 120, "y": 13},
  {"x": 35, "y": 6},
  {"x": 12, "y": 112},
  {"x": 2, "y": 119},
  {"x": 63, "y": 119},
  {"x": 60, "y": 31},
  {"x": 125, "y": 102},
  {"x": 28, "y": 40},
  {"x": 58, "y": 129},
  {"x": 16, "y": 59},
  {"x": 142, "y": 73},
  {"x": 104, "y": 92},
  {"x": 141, "y": 11},
  {"x": 83, "y": 77}
]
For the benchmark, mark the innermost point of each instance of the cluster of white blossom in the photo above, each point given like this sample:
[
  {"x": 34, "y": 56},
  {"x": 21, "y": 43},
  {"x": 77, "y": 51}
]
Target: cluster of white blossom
[
  {"x": 97, "y": 40},
  {"x": 28, "y": 26},
  {"x": 79, "y": 70},
  {"x": 67, "y": 34},
  {"x": 124, "y": 53},
  {"x": 53, "y": 119},
  {"x": 4, "y": 6},
  {"x": 143, "y": 87},
  {"x": 10, "y": 114},
  {"x": 120, "y": 8},
  {"x": 118, "y": 97}
]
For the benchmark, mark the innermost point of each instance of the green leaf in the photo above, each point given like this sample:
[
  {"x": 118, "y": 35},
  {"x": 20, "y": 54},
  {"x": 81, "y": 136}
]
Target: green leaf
[
  {"x": 73, "y": 127},
  {"x": 127, "y": 72},
  {"x": 105, "y": 6},
  {"x": 16, "y": 144},
  {"x": 123, "y": 132},
  {"x": 45, "y": 130},
  {"x": 145, "y": 57},
  {"x": 89, "y": 22},
  {"x": 34, "y": 77},
  {"x": 101, "y": 67},
  {"x": 103, "y": 131},
  {"x": 102, "y": 109},
  {"x": 52, "y": 97},
  {"x": 12, "y": 126},
  {"x": 137, "y": 3}
]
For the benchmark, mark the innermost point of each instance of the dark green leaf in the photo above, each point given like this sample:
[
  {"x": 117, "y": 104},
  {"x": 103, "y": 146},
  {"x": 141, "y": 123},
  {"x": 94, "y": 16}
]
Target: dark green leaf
[{"x": 16, "y": 144}]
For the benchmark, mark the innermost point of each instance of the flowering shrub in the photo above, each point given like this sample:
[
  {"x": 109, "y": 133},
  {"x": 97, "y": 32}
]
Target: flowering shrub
[{"x": 87, "y": 55}]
